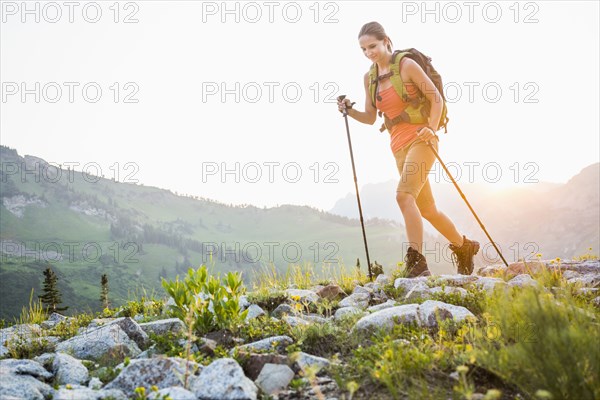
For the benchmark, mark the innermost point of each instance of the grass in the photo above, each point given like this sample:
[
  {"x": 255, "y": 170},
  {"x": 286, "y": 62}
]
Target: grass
[
  {"x": 547, "y": 346},
  {"x": 532, "y": 342}
]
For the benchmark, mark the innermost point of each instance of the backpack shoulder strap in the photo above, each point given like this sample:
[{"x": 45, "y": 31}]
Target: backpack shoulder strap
[
  {"x": 373, "y": 82},
  {"x": 396, "y": 78}
]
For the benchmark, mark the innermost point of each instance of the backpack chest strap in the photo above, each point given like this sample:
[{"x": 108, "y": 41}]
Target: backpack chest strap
[{"x": 388, "y": 123}]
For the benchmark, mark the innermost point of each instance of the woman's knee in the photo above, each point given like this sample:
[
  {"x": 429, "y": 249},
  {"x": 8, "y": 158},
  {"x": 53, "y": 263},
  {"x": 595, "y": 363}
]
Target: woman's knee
[
  {"x": 404, "y": 199},
  {"x": 428, "y": 211}
]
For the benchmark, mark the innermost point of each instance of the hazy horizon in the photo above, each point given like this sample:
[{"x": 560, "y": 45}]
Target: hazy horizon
[{"x": 189, "y": 89}]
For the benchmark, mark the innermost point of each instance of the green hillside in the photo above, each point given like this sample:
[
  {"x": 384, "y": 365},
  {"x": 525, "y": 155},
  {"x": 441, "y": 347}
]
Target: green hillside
[{"x": 85, "y": 226}]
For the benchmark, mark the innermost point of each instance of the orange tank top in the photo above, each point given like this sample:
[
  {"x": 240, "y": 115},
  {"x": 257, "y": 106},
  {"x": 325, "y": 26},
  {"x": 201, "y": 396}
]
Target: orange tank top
[{"x": 392, "y": 105}]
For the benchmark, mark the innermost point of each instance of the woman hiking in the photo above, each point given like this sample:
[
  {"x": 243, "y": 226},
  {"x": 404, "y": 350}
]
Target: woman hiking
[{"x": 409, "y": 145}]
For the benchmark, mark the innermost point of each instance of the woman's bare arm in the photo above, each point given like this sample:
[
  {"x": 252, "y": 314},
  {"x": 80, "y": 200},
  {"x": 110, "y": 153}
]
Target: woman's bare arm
[{"x": 370, "y": 114}]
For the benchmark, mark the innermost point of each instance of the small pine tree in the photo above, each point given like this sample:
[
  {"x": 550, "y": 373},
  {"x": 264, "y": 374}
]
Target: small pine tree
[
  {"x": 51, "y": 296},
  {"x": 104, "y": 291}
]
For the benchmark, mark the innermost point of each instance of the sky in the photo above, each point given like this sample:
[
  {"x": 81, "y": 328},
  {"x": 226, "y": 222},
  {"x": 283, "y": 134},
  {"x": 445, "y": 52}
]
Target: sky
[{"x": 235, "y": 101}]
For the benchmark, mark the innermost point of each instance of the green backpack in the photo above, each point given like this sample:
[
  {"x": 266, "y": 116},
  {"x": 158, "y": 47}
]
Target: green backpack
[{"x": 417, "y": 111}]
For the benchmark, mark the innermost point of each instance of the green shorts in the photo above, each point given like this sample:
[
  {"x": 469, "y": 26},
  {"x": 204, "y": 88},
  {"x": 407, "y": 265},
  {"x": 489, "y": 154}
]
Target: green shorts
[{"x": 414, "y": 161}]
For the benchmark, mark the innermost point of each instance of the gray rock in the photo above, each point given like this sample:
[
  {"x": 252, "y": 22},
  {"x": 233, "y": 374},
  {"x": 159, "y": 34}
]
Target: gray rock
[
  {"x": 283, "y": 309},
  {"x": 20, "y": 379},
  {"x": 95, "y": 383},
  {"x": 128, "y": 325},
  {"x": 21, "y": 332},
  {"x": 491, "y": 270},
  {"x": 224, "y": 379},
  {"x": 387, "y": 304},
  {"x": 161, "y": 327},
  {"x": 362, "y": 289},
  {"x": 374, "y": 286},
  {"x": 184, "y": 343},
  {"x": 68, "y": 369},
  {"x": 243, "y": 302},
  {"x": 570, "y": 275},
  {"x": 98, "y": 322},
  {"x": 346, "y": 311},
  {"x": 448, "y": 290},
  {"x": 24, "y": 367},
  {"x": 590, "y": 280},
  {"x": 429, "y": 309},
  {"x": 175, "y": 392},
  {"x": 455, "y": 280},
  {"x": 423, "y": 315},
  {"x": 522, "y": 281},
  {"x": 46, "y": 360},
  {"x": 386, "y": 318},
  {"x": 304, "y": 361},
  {"x": 274, "y": 378},
  {"x": 313, "y": 318},
  {"x": 138, "y": 317},
  {"x": 418, "y": 291},
  {"x": 16, "y": 386},
  {"x": 81, "y": 392},
  {"x": 254, "y": 311},
  {"x": 267, "y": 344},
  {"x": 134, "y": 331},
  {"x": 305, "y": 295},
  {"x": 4, "y": 352},
  {"x": 383, "y": 279},
  {"x": 53, "y": 320},
  {"x": 360, "y": 300},
  {"x": 408, "y": 283},
  {"x": 583, "y": 267},
  {"x": 488, "y": 284},
  {"x": 101, "y": 343},
  {"x": 295, "y": 321},
  {"x": 153, "y": 351},
  {"x": 162, "y": 372}
]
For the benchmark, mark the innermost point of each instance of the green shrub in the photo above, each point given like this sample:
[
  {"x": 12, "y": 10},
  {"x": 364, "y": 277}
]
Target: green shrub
[
  {"x": 263, "y": 327},
  {"x": 224, "y": 297}
]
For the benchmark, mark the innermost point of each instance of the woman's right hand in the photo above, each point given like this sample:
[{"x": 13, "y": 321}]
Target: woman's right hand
[{"x": 344, "y": 104}]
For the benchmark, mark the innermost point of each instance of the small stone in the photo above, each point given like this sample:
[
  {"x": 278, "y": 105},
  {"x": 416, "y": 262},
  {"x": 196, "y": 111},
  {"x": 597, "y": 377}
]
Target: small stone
[{"x": 274, "y": 378}]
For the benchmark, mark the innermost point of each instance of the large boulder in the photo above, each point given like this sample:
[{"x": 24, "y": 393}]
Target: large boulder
[
  {"x": 162, "y": 372},
  {"x": 224, "y": 379},
  {"x": 274, "y": 378},
  {"x": 359, "y": 300},
  {"x": 163, "y": 326},
  {"x": 81, "y": 392},
  {"x": 107, "y": 343},
  {"x": 274, "y": 343},
  {"x": 22, "y": 379},
  {"x": 69, "y": 370},
  {"x": 302, "y": 295},
  {"x": 425, "y": 314},
  {"x": 385, "y": 318},
  {"x": 431, "y": 310}
]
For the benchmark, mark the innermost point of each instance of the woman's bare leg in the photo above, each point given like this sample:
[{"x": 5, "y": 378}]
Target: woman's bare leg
[
  {"x": 442, "y": 223},
  {"x": 412, "y": 219}
]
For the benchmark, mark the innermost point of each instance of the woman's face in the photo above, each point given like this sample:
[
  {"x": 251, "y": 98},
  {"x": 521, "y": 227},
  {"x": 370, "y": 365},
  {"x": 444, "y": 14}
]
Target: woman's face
[{"x": 373, "y": 48}]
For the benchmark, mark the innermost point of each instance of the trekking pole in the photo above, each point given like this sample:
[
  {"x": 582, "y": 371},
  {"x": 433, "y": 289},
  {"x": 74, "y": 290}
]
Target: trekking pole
[
  {"x": 345, "y": 114},
  {"x": 466, "y": 201}
]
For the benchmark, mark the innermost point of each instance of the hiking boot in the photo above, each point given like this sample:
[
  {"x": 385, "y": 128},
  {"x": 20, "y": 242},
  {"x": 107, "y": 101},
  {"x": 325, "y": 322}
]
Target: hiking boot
[
  {"x": 464, "y": 254},
  {"x": 416, "y": 264}
]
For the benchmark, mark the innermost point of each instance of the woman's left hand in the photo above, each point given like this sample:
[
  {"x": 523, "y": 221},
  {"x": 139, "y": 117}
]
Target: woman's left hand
[{"x": 425, "y": 134}]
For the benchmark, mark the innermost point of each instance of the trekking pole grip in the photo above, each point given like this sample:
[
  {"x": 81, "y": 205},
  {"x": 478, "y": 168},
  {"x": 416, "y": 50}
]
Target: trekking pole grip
[{"x": 341, "y": 98}]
